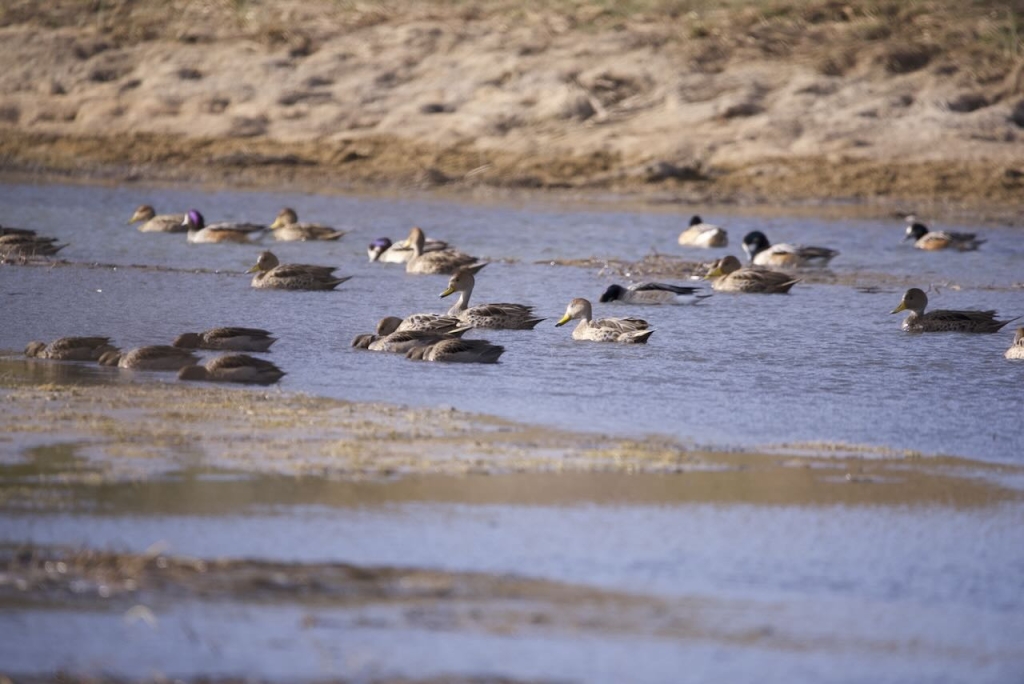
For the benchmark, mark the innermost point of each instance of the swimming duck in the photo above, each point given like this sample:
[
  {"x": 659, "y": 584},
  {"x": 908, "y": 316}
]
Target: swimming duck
[
  {"x": 429, "y": 321},
  {"x": 10, "y": 230},
  {"x": 940, "y": 320},
  {"x": 199, "y": 232},
  {"x": 234, "y": 339},
  {"x": 71, "y": 349},
  {"x": 701, "y": 234},
  {"x": 234, "y": 368},
  {"x": 500, "y": 316},
  {"x": 445, "y": 261},
  {"x": 287, "y": 227},
  {"x": 653, "y": 293},
  {"x": 18, "y": 245},
  {"x": 625, "y": 330},
  {"x": 763, "y": 253},
  {"x": 272, "y": 274},
  {"x": 458, "y": 351},
  {"x": 153, "y": 358},
  {"x": 932, "y": 240},
  {"x": 389, "y": 338},
  {"x": 157, "y": 223},
  {"x": 728, "y": 275},
  {"x": 1016, "y": 350},
  {"x": 383, "y": 250}
]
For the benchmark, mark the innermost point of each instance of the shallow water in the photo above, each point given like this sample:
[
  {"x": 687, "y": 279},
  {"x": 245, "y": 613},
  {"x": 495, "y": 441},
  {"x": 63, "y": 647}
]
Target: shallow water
[
  {"x": 824, "y": 364},
  {"x": 927, "y": 589},
  {"x": 839, "y": 593}
]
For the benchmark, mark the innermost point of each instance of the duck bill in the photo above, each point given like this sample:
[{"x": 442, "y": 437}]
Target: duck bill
[
  {"x": 563, "y": 320},
  {"x": 254, "y": 269},
  {"x": 278, "y": 223},
  {"x": 714, "y": 273},
  {"x": 448, "y": 291},
  {"x": 901, "y": 307}
]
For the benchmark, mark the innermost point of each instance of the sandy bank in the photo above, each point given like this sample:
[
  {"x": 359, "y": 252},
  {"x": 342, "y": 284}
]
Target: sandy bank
[{"x": 753, "y": 101}]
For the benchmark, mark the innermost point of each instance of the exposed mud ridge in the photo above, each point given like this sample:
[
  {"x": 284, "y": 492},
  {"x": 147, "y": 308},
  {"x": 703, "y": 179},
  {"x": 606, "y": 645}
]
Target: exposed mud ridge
[
  {"x": 758, "y": 101},
  {"x": 120, "y": 431}
]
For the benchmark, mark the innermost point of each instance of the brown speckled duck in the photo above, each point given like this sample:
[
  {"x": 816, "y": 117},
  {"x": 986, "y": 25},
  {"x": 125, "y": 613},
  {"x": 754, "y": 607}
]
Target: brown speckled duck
[
  {"x": 157, "y": 223},
  {"x": 71, "y": 349},
  {"x": 942, "y": 320},
  {"x": 234, "y": 368},
  {"x": 623, "y": 330},
  {"x": 152, "y": 358},
  {"x": 228, "y": 339},
  {"x": 272, "y": 274},
  {"x": 286, "y": 227},
  {"x": 728, "y": 275}
]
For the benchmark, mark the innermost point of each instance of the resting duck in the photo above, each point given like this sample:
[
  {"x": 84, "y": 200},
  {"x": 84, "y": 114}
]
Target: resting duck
[
  {"x": 501, "y": 316},
  {"x": 763, "y": 253},
  {"x": 625, "y": 330},
  {"x": 273, "y": 275},
  {"x": 234, "y": 368},
  {"x": 199, "y": 232},
  {"x": 458, "y": 351},
  {"x": 157, "y": 223},
  {"x": 153, "y": 358},
  {"x": 941, "y": 320},
  {"x": 940, "y": 239},
  {"x": 728, "y": 275},
  {"x": 286, "y": 227},
  {"x": 653, "y": 293},
  {"x": 71, "y": 349},
  {"x": 384, "y": 251},
  {"x": 701, "y": 234},
  {"x": 234, "y": 339}
]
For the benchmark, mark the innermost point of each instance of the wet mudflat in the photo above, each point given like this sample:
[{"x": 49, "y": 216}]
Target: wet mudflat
[
  {"x": 774, "y": 489},
  {"x": 142, "y": 532}
]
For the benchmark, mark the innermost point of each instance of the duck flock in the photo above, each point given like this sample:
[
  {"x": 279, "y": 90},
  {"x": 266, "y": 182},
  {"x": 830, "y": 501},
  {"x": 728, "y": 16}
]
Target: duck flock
[{"x": 771, "y": 269}]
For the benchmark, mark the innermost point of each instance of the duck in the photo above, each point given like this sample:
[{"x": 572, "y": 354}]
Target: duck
[
  {"x": 728, "y": 275},
  {"x": 941, "y": 320},
  {"x": 152, "y": 358},
  {"x": 157, "y": 223},
  {"x": 10, "y": 230},
  {"x": 502, "y": 316},
  {"x": 443, "y": 262},
  {"x": 933, "y": 240},
  {"x": 71, "y": 349},
  {"x": 273, "y": 275},
  {"x": 286, "y": 227},
  {"x": 24, "y": 246},
  {"x": 234, "y": 368},
  {"x": 654, "y": 293},
  {"x": 231, "y": 338},
  {"x": 624, "y": 330},
  {"x": 199, "y": 232},
  {"x": 385, "y": 251},
  {"x": 763, "y": 253},
  {"x": 389, "y": 338},
  {"x": 701, "y": 234},
  {"x": 1016, "y": 350},
  {"x": 457, "y": 351},
  {"x": 431, "y": 322}
]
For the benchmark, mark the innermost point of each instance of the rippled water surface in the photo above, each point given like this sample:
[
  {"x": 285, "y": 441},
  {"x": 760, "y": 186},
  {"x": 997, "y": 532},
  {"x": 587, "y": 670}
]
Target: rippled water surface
[
  {"x": 771, "y": 589},
  {"x": 826, "y": 363}
]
